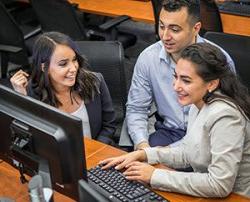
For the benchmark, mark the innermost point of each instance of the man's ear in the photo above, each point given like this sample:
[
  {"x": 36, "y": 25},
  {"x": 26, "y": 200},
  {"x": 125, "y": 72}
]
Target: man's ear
[{"x": 197, "y": 27}]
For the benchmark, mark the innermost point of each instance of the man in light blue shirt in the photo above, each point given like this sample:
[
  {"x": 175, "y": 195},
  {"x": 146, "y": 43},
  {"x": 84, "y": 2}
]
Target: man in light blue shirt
[{"x": 179, "y": 25}]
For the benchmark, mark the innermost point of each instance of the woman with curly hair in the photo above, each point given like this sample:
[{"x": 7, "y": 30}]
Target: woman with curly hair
[{"x": 217, "y": 143}]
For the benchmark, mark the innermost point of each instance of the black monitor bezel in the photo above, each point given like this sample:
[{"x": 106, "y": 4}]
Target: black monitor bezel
[{"x": 36, "y": 114}]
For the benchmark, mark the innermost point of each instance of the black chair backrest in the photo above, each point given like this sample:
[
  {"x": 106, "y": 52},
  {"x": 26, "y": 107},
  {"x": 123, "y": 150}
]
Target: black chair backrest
[
  {"x": 156, "y": 4},
  {"x": 210, "y": 17},
  {"x": 60, "y": 16},
  {"x": 107, "y": 57},
  {"x": 11, "y": 34},
  {"x": 238, "y": 47}
]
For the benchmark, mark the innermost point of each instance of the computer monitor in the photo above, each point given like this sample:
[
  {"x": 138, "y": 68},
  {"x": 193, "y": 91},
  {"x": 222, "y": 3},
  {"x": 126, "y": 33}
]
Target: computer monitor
[{"x": 40, "y": 136}]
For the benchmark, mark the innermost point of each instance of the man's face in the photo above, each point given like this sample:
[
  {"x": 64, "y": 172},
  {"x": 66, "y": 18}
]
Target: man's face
[{"x": 176, "y": 31}]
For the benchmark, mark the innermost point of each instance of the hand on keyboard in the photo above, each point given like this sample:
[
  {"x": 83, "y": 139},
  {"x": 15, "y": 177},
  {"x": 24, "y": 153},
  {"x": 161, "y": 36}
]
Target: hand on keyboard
[
  {"x": 121, "y": 162},
  {"x": 139, "y": 171},
  {"x": 113, "y": 185}
]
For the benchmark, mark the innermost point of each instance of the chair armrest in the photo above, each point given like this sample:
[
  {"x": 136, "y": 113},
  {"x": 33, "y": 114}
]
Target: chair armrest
[
  {"x": 113, "y": 22},
  {"x": 10, "y": 49},
  {"x": 74, "y": 5},
  {"x": 33, "y": 32},
  {"x": 4, "y": 54}
]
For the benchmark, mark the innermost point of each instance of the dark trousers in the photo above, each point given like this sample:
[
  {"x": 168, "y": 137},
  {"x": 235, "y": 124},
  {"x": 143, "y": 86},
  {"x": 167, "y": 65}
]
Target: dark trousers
[{"x": 164, "y": 136}]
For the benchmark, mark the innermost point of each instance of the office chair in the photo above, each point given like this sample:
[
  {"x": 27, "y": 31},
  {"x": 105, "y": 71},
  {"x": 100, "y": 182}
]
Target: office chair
[
  {"x": 210, "y": 17},
  {"x": 13, "y": 6},
  {"x": 107, "y": 57},
  {"x": 21, "y": 11},
  {"x": 238, "y": 47},
  {"x": 15, "y": 47},
  {"x": 60, "y": 15},
  {"x": 156, "y": 4}
]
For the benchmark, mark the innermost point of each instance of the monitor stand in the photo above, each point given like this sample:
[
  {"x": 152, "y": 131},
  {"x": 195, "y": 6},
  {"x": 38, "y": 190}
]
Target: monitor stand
[
  {"x": 40, "y": 187},
  {"x": 40, "y": 183}
]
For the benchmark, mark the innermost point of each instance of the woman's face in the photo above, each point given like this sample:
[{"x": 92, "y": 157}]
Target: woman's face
[
  {"x": 63, "y": 68},
  {"x": 189, "y": 86}
]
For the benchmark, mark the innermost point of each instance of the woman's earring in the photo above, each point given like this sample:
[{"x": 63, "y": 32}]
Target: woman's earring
[{"x": 207, "y": 96}]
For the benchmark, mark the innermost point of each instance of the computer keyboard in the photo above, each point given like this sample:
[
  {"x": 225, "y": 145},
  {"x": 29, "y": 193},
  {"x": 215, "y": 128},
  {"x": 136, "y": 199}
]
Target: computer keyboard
[
  {"x": 236, "y": 8},
  {"x": 113, "y": 185}
]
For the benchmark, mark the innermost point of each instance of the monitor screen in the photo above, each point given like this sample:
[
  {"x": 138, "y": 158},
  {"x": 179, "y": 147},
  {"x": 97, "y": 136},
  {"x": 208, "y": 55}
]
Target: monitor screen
[{"x": 33, "y": 132}]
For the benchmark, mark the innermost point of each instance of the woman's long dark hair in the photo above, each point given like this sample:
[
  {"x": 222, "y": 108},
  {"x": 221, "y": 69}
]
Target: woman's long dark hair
[
  {"x": 86, "y": 85},
  {"x": 211, "y": 64}
]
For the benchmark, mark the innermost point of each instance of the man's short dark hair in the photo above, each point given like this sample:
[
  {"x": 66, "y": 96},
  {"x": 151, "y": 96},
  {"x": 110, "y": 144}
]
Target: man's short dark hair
[{"x": 193, "y": 8}]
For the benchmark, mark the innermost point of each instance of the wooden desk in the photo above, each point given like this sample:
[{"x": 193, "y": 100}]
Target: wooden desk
[
  {"x": 235, "y": 24},
  {"x": 143, "y": 12},
  {"x": 138, "y": 10},
  {"x": 11, "y": 187},
  {"x": 108, "y": 151}
]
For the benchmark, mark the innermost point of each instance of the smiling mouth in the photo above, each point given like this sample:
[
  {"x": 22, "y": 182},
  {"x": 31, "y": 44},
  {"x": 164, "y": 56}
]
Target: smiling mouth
[
  {"x": 70, "y": 77},
  {"x": 169, "y": 45},
  {"x": 181, "y": 96}
]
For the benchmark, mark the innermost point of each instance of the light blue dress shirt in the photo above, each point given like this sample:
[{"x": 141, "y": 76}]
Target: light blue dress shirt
[{"x": 153, "y": 82}]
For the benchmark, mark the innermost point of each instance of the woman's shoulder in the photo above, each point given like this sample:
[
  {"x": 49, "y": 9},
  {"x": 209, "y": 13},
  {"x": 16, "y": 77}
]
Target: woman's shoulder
[
  {"x": 218, "y": 105},
  {"x": 223, "y": 108},
  {"x": 100, "y": 81},
  {"x": 98, "y": 76}
]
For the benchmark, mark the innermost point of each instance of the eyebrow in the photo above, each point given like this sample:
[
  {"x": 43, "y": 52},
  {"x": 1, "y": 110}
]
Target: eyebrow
[
  {"x": 67, "y": 59},
  {"x": 185, "y": 77},
  {"x": 170, "y": 25},
  {"x": 63, "y": 60}
]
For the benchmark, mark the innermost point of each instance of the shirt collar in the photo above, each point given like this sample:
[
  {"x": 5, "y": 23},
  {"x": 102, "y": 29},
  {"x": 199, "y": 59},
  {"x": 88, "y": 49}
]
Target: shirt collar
[
  {"x": 163, "y": 54},
  {"x": 199, "y": 39}
]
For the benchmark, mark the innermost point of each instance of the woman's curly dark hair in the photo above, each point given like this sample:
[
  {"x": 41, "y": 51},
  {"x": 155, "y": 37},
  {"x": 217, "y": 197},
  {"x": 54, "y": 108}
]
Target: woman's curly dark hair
[
  {"x": 86, "y": 85},
  {"x": 211, "y": 64}
]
